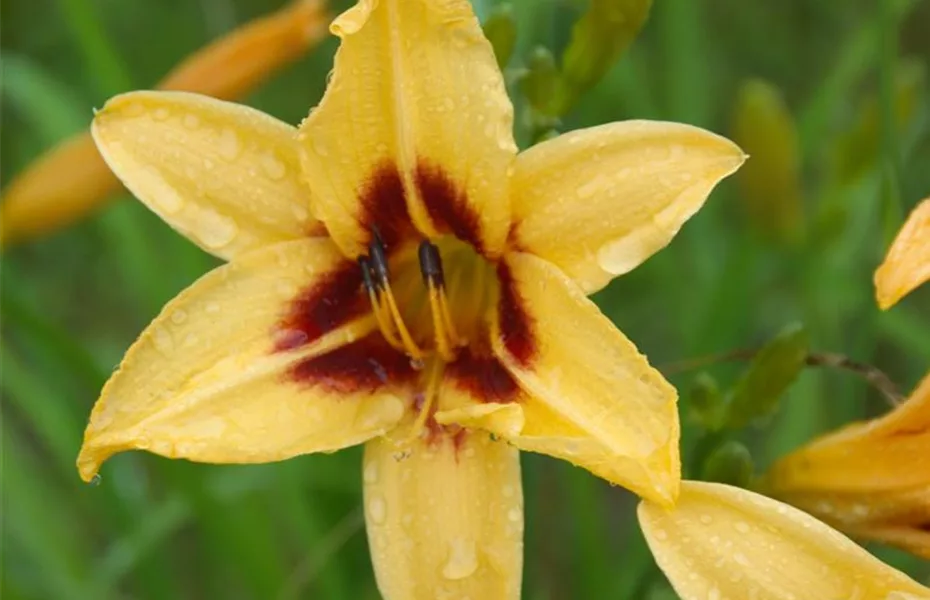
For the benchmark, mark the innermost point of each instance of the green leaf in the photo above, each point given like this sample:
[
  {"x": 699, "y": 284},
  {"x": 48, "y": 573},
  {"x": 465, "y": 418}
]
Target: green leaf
[
  {"x": 773, "y": 369},
  {"x": 705, "y": 402},
  {"x": 598, "y": 39},
  {"x": 501, "y": 30},
  {"x": 729, "y": 463}
]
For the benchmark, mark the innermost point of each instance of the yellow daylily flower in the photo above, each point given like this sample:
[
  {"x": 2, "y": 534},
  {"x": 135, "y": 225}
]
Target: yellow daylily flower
[
  {"x": 71, "y": 179},
  {"x": 398, "y": 275},
  {"x": 870, "y": 479},
  {"x": 907, "y": 264},
  {"x": 724, "y": 543}
]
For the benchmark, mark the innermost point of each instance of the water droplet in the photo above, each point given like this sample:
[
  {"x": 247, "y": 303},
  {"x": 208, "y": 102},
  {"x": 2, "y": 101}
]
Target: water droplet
[
  {"x": 300, "y": 213},
  {"x": 215, "y": 230},
  {"x": 742, "y": 527},
  {"x": 706, "y": 519},
  {"x": 377, "y": 510},
  {"x": 661, "y": 535},
  {"x": 178, "y": 316},
  {"x": 212, "y": 307},
  {"x": 162, "y": 340},
  {"x": 95, "y": 480},
  {"x": 320, "y": 147},
  {"x": 273, "y": 167},
  {"x": 463, "y": 559},
  {"x": 208, "y": 164},
  {"x": 370, "y": 474},
  {"x": 228, "y": 144},
  {"x": 741, "y": 559},
  {"x": 161, "y": 114},
  {"x": 515, "y": 514},
  {"x": 191, "y": 121},
  {"x": 507, "y": 491},
  {"x": 713, "y": 594}
]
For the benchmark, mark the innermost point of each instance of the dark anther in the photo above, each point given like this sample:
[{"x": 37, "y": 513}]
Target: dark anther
[
  {"x": 431, "y": 264},
  {"x": 379, "y": 263},
  {"x": 365, "y": 265}
]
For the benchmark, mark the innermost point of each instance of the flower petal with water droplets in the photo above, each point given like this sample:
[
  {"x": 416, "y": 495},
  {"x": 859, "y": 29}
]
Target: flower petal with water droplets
[
  {"x": 725, "y": 543},
  {"x": 224, "y": 175},
  {"x": 207, "y": 381},
  {"x": 598, "y": 202},
  {"x": 445, "y": 517}
]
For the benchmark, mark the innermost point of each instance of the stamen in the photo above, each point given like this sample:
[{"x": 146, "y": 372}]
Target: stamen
[
  {"x": 426, "y": 408},
  {"x": 379, "y": 275},
  {"x": 435, "y": 280},
  {"x": 377, "y": 306}
]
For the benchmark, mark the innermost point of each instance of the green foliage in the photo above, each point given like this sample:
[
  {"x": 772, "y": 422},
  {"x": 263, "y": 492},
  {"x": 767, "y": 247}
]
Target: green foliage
[{"x": 501, "y": 30}]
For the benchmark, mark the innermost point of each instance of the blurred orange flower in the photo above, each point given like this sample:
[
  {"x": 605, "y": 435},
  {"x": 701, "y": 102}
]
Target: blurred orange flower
[
  {"x": 870, "y": 479},
  {"x": 907, "y": 264},
  {"x": 71, "y": 179}
]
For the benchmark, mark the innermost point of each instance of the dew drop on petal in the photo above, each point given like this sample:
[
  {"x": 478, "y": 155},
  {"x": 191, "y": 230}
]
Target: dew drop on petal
[
  {"x": 377, "y": 510},
  {"x": 191, "y": 121},
  {"x": 300, "y": 213},
  {"x": 161, "y": 114},
  {"x": 463, "y": 559},
  {"x": 370, "y": 474},
  {"x": 228, "y": 144},
  {"x": 272, "y": 166},
  {"x": 216, "y": 230},
  {"x": 162, "y": 340},
  {"x": 514, "y": 514},
  {"x": 178, "y": 316},
  {"x": 742, "y": 527}
]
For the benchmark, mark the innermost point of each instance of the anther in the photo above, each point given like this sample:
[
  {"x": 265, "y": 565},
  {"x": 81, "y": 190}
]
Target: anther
[
  {"x": 431, "y": 264},
  {"x": 379, "y": 262},
  {"x": 365, "y": 265}
]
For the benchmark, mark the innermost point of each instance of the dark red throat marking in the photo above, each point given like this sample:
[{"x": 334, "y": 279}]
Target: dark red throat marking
[
  {"x": 447, "y": 206},
  {"x": 516, "y": 325},
  {"x": 364, "y": 366},
  {"x": 385, "y": 206},
  {"x": 321, "y": 308},
  {"x": 483, "y": 377}
]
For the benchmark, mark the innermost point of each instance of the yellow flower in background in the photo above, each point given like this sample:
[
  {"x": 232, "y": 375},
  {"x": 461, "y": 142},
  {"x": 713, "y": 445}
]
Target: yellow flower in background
[
  {"x": 71, "y": 180},
  {"x": 398, "y": 276},
  {"x": 871, "y": 479},
  {"x": 725, "y": 543},
  {"x": 907, "y": 264}
]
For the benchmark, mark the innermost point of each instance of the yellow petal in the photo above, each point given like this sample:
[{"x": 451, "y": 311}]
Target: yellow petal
[
  {"x": 594, "y": 399},
  {"x": 600, "y": 201},
  {"x": 885, "y": 454},
  {"x": 908, "y": 538},
  {"x": 726, "y": 543},
  {"x": 907, "y": 264},
  {"x": 237, "y": 63},
  {"x": 71, "y": 179},
  {"x": 415, "y": 115},
  {"x": 849, "y": 511},
  {"x": 445, "y": 517},
  {"x": 63, "y": 184},
  {"x": 226, "y": 374},
  {"x": 224, "y": 175}
]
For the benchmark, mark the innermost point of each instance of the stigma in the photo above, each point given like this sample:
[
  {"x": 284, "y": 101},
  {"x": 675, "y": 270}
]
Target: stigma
[{"x": 376, "y": 278}]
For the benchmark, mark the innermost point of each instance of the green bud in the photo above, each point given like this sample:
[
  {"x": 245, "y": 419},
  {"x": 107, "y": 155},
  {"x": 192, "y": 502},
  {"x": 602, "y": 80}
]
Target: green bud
[
  {"x": 729, "y": 463},
  {"x": 770, "y": 182},
  {"x": 705, "y": 402},
  {"x": 501, "y": 30},
  {"x": 540, "y": 84},
  {"x": 598, "y": 40},
  {"x": 773, "y": 369}
]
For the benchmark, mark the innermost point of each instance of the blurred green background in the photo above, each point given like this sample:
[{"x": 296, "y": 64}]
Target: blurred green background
[{"x": 829, "y": 96}]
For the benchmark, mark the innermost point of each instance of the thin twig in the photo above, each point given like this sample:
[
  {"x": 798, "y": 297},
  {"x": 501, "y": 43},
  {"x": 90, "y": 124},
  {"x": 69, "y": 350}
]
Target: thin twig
[{"x": 872, "y": 375}]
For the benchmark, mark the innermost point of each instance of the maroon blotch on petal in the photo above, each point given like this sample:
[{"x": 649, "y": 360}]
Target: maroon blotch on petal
[
  {"x": 516, "y": 324},
  {"x": 366, "y": 365},
  {"x": 385, "y": 206},
  {"x": 322, "y": 307},
  {"x": 483, "y": 377},
  {"x": 447, "y": 206}
]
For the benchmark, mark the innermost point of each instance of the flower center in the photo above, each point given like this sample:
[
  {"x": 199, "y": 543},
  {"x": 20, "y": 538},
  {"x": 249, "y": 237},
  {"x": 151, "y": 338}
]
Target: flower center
[{"x": 428, "y": 299}]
